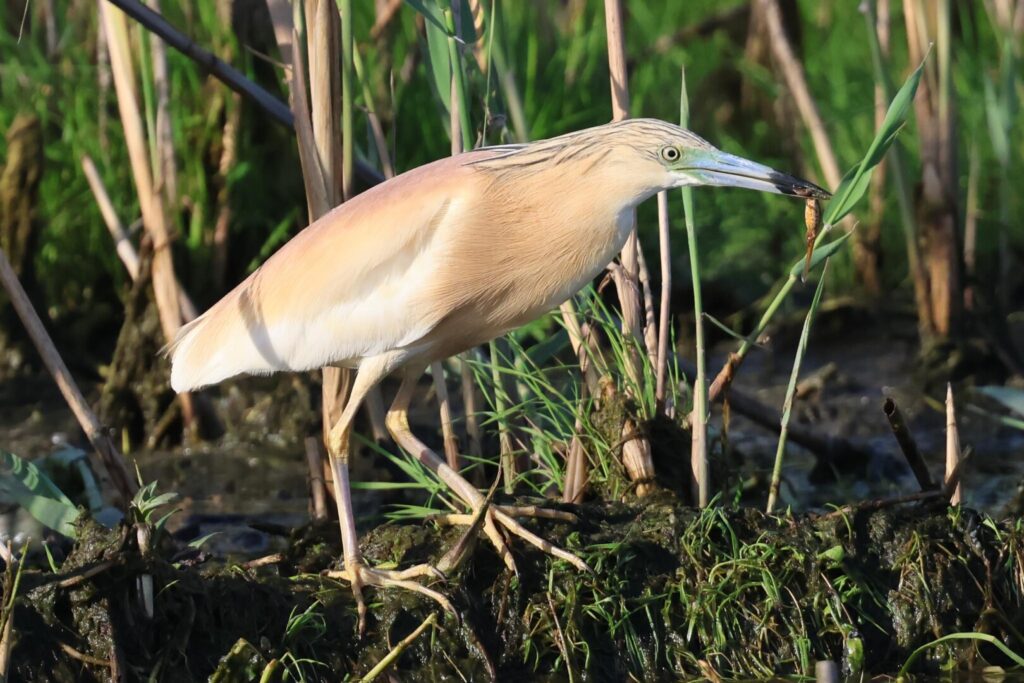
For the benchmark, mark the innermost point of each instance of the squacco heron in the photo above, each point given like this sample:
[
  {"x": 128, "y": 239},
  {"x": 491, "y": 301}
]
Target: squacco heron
[{"x": 436, "y": 261}]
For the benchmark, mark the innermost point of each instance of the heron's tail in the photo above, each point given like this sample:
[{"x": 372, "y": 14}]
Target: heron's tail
[{"x": 213, "y": 347}]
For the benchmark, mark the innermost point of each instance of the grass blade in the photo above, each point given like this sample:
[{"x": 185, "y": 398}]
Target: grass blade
[{"x": 787, "y": 410}]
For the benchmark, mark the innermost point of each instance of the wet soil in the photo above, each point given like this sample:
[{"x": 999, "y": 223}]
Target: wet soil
[
  {"x": 674, "y": 592},
  {"x": 729, "y": 592}
]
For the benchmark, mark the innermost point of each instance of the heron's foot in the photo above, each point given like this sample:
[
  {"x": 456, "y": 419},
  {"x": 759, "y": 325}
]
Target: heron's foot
[
  {"x": 359, "y": 575},
  {"x": 499, "y": 521}
]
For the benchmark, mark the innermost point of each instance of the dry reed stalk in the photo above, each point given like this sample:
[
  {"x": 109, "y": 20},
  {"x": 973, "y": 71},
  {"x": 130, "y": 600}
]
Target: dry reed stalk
[
  {"x": 154, "y": 214},
  {"x": 112, "y": 460},
  {"x": 937, "y": 210},
  {"x": 323, "y": 26},
  {"x": 636, "y": 451},
  {"x": 952, "y": 448},
  {"x": 796, "y": 83},
  {"x": 312, "y": 174},
  {"x": 636, "y": 458},
  {"x": 664, "y": 323},
  {"x": 582, "y": 346},
  {"x": 210, "y": 63},
  {"x": 284, "y": 28},
  {"x": 576, "y": 459},
  {"x": 317, "y": 487},
  {"x": 451, "y": 442},
  {"x": 627, "y": 279},
  {"x": 225, "y": 73},
  {"x": 650, "y": 323},
  {"x": 470, "y": 405},
  {"x": 125, "y": 249}
]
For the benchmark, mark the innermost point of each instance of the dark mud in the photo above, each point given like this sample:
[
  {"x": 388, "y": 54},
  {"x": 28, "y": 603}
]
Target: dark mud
[{"x": 675, "y": 592}]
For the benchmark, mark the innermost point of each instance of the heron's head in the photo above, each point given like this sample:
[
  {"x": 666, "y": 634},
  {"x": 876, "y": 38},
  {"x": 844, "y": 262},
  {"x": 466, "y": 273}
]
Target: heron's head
[{"x": 677, "y": 158}]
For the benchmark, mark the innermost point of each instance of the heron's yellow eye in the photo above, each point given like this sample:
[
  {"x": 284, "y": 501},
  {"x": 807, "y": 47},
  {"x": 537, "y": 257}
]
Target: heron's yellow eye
[{"x": 670, "y": 153}]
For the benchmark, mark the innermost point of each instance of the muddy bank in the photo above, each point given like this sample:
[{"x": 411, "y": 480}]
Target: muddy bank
[{"x": 675, "y": 592}]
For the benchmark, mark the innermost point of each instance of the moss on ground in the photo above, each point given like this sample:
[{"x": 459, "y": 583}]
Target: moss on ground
[{"x": 675, "y": 592}]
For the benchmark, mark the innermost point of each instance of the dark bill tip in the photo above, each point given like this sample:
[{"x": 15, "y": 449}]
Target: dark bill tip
[{"x": 796, "y": 187}]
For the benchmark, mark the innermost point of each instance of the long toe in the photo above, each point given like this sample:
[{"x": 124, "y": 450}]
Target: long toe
[
  {"x": 360, "y": 575},
  {"x": 500, "y": 520}
]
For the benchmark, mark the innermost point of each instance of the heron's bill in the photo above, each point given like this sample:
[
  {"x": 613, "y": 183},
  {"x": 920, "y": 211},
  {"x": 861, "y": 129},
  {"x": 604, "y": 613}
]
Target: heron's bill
[{"x": 727, "y": 170}]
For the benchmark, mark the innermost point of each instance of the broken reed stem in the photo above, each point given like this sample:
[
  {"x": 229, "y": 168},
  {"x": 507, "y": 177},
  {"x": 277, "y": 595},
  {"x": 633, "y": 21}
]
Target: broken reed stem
[
  {"x": 908, "y": 446},
  {"x": 124, "y": 247},
  {"x": 878, "y": 42},
  {"x": 112, "y": 459},
  {"x": 398, "y": 649},
  {"x": 664, "y": 245},
  {"x": 700, "y": 485},
  {"x": 317, "y": 488},
  {"x": 787, "y": 411},
  {"x": 628, "y": 277},
  {"x": 952, "y": 448}
]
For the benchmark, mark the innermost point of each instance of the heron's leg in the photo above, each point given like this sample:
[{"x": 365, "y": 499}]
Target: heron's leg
[
  {"x": 398, "y": 424},
  {"x": 356, "y": 571}
]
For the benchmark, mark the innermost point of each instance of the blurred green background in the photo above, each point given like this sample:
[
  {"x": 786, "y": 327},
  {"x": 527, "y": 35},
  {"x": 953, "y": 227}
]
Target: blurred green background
[{"x": 555, "y": 53}]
